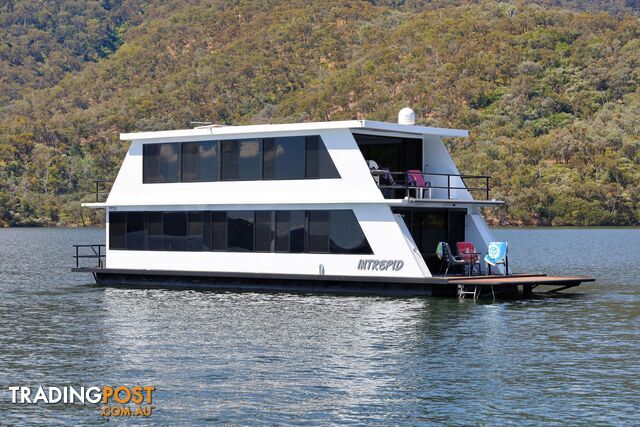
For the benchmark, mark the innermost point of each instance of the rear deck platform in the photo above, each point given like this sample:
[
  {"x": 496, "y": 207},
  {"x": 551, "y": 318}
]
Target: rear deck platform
[
  {"x": 513, "y": 282},
  {"x": 514, "y": 285}
]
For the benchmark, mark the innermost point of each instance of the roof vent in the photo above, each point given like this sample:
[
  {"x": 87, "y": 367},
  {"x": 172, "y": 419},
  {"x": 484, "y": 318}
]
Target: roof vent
[{"x": 406, "y": 116}]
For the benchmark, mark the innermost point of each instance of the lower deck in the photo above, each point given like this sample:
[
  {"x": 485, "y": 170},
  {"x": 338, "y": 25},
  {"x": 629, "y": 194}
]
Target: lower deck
[{"x": 514, "y": 285}]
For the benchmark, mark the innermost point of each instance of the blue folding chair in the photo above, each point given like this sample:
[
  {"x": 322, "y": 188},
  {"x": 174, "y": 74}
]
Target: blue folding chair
[{"x": 497, "y": 254}]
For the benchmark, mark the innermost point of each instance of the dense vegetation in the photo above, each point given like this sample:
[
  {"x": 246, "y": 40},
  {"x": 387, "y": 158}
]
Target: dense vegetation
[{"x": 550, "y": 95}]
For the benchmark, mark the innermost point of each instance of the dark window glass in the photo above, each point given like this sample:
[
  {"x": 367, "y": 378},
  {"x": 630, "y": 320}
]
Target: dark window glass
[
  {"x": 218, "y": 231},
  {"x": 397, "y": 154},
  {"x": 297, "y": 221},
  {"x": 207, "y": 231},
  {"x": 282, "y": 231},
  {"x": 240, "y": 231},
  {"x": 154, "y": 231},
  {"x": 297, "y": 231},
  {"x": 319, "y": 231},
  {"x": 200, "y": 161},
  {"x": 135, "y": 231},
  {"x": 241, "y": 160},
  {"x": 264, "y": 231},
  {"x": 290, "y": 226},
  {"x": 117, "y": 230},
  {"x": 345, "y": 234},
  {"x": 190, "y": 161},
  {"x": 194, "y": 239},
  {"x": 160, "y": 162},
  {"x": 433, "y": 229},
  {"x": 319, "y": 163},
  {"x": 284, "y": 158},
  {"x": 174, "y": 229}
]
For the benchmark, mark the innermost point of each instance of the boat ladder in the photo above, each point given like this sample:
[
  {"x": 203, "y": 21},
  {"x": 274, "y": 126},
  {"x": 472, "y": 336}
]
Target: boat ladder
[{"x": 463, "y": 292}]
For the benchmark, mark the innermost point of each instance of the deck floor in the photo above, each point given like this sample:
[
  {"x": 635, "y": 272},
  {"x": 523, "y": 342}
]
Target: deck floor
[{"x": 519, "y": 279}]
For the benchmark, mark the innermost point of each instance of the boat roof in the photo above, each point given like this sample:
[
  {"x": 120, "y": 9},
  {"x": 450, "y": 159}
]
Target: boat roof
[{"x": 366, "y": 125}]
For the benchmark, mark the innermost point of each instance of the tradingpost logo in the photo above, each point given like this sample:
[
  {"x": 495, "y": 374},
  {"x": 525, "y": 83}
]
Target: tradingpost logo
[{"x": 118, "y": 401}]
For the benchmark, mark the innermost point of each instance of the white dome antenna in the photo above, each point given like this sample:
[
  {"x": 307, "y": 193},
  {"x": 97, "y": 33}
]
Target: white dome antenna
[{"x": 407, "y": 116}]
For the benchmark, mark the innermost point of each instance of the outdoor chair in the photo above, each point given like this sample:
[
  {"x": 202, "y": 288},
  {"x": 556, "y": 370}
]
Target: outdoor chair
[
  {"x": 415, "y": 178},
  {"x": 443, "y": 252},
  {"x": 387, "y": 181},
  {"x": 497, "y": 254},
  {"x": 467, "y": 251}
]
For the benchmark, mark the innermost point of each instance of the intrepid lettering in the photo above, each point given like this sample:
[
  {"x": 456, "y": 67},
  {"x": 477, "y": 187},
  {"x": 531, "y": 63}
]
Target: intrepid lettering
[{"x": 380, "y": 265}]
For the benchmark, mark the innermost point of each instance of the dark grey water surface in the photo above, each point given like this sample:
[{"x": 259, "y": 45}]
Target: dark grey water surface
[{"x": 292, "y": 359}]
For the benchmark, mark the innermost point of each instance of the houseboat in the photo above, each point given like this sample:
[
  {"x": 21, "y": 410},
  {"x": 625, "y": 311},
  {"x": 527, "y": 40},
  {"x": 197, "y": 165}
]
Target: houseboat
[{"x": 354, "y": 206}]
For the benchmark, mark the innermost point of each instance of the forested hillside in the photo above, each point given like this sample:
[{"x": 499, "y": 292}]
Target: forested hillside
[{"x": 549, "y": 90}]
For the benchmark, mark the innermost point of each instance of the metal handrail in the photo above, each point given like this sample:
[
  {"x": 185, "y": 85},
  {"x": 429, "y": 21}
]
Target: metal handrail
[
  {"x": 407, "y": 187},
  {"x": 101, "y": 188},
  {"x": 98, "y": 251}
]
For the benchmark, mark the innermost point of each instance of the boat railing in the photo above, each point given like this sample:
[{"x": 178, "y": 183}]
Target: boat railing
[
  {"x": 91, "y": 251},
  {"x": 102, "y": 188},
  {"x": 402, "y": 181}
]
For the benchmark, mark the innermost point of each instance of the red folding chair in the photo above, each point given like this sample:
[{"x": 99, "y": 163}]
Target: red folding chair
[{"x": 467, "y": 251}]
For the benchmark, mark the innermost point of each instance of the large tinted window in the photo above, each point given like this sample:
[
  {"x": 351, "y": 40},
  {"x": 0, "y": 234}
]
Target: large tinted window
[
  {"x": 135, "y": 231},
  {"x": 433, "y": 229},
  {"x": 345, "y": 234},
  {"x": 297, "y": 226},
  {"x": 194, "y": 232},
  {"x": 264, "y": 231},
  {"x": 336, "y": 232},
  {"x": 160, "y": 162},
  {"x": 240, "y": 231},
  {"x": 284, "y": 158},
  {"x": 117, "y": 230},
  {"x": 282, "y": 231},
  {"x": 207, "y": 232},
  {"x": 319, "y": 231},
  {"x": 294, "y": 157},
  {"x": 174, "y": 230},
  {"x": 154, "y": 231},
  {"x": 218, "y": 231},
  {"x": 318, "y": 162},
  {"x": 241, "y": 160},
  {"x": 200, "y": 161},
  {"x": 290, "y": 226}
]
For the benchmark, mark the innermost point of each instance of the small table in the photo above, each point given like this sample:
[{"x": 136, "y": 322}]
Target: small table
[{"x": 471, "y": 258}]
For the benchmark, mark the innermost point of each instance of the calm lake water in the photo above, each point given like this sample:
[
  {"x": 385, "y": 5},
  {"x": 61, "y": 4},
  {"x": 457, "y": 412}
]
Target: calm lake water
[{"x": 291, "y": 359}]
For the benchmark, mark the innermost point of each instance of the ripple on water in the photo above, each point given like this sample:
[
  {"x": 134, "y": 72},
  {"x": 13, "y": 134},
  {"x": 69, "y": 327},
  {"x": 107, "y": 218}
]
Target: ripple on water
[{"x": 292, "y": 359}]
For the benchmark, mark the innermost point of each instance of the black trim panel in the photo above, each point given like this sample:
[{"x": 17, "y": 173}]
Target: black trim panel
[{"x": 275, "y": 285}]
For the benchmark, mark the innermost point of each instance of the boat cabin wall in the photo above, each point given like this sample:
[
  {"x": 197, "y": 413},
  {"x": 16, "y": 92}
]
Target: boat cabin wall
[
  {"x": 353, "y": 183},
  {"x": 159, "y": 244}
]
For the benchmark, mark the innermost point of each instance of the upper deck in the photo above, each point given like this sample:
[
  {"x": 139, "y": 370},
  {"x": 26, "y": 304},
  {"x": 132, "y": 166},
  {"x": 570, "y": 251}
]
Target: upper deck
[{"x": 293, "y": 164}]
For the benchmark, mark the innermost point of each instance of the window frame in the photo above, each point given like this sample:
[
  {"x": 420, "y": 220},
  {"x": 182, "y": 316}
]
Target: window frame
[
  {"x": 122, "y": 236},
  {"x": 252, "y": 214},
  {"x": 218, "y": 162},
  {"x": 321, "y": 147},
  {"x": 214, "y": 225},
  {"x": 260, "y": 159},
  {"x": 178, "y": 161},
  {"x": 304, "y": 158},
  {"x": 272, "y": 231}
]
